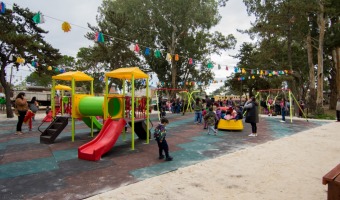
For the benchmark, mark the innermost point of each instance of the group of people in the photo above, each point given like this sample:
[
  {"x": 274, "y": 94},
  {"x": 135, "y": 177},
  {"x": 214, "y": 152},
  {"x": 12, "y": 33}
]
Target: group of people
[
  {"x": 211, "y": 113},
  {"x": 23, "y": 109}
]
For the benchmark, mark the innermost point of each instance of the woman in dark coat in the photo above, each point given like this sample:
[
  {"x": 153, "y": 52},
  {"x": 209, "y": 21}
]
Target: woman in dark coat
[{"x": 252, "y": 114}]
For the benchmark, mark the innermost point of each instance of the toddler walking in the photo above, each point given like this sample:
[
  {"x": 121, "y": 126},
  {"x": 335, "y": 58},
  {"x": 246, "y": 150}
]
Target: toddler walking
[{"x": 159, "y": 135}]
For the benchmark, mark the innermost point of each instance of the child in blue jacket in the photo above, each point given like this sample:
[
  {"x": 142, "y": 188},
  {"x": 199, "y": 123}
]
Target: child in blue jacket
[{"x": 159, "y": 135}]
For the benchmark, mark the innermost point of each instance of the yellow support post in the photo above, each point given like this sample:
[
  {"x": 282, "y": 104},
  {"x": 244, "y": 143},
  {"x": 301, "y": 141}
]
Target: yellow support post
[
  {"x": 290, "y": 106},
  {"x": 73, "y": 108},
  {"x": 92, "y": 94},
  {"x": 106, "y": 98},
  {"x": 52, "y": 98},
  {"x": 124, "y": 106},
  {"x": 133, "y": 112},
  {"x": 147, "y": 112}
]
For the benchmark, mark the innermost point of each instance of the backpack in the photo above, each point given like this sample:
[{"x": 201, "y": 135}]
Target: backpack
[{"x": 157, "y": 132}]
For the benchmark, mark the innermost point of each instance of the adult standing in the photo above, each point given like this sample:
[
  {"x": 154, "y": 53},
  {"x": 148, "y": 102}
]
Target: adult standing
[
  {"x": 21, "y": 107},
  {"x": 338, "y": 110},
  {"x": 284, "y": 108},
  {"x": 198, "y": 111},
  {"x": 252, "y": 115}
]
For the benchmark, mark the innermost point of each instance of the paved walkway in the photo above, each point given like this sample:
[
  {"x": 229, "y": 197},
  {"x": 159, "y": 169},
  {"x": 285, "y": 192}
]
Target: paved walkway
[{"x": 30, "y": 170}]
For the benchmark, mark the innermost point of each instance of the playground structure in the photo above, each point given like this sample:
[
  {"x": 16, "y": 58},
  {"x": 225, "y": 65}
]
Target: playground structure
[
  {"x": 291, "y": 97},
  {"x": 111, "y": 107},
  {"x": 231, "y": 125}
]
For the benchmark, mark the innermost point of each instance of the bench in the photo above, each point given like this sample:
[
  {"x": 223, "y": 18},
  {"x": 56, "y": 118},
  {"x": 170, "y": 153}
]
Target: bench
[{"x": 332, "y": 178}]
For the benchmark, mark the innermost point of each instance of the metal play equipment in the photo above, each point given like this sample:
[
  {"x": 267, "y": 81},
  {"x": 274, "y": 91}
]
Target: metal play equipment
[
  {"x": 190, "y": 98},
  {"x": 64, "y": 100},
  {"x": 290, "y": 96},
  {"x": 73, "y": 77},
  {"x": 128, "y": 74}
]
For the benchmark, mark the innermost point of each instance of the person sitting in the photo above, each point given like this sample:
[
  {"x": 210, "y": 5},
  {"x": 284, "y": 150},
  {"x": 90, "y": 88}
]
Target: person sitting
[
  {"x": 223, "y": 113},
  {"x": 228, "y": 115},
  {"x": 239, "y": 114}
]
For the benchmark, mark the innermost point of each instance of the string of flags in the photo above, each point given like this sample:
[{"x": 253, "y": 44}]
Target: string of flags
[
  {"x": 39, "y": 18},
  {"x": 2, "y": 8}
]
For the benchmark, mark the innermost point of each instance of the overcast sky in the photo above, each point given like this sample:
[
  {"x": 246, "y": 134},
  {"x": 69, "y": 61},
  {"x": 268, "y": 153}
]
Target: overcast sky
[{"x": 80, "y": 12}]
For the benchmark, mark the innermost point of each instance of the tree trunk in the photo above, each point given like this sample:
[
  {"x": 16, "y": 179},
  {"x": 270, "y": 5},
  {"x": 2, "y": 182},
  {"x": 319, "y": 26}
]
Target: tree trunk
[
  {"x": 320, "y": 75},
  {"x": 337, "y": 57},
  {"x": 311, "y": 102},
  {"x": 7, "y": 89},
  {"x": 333, "y": 80},
  {"x": 173, "y": 62}
]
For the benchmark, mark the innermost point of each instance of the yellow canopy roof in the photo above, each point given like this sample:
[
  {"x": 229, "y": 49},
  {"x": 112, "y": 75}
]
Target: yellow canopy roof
[
  {"x": 126, "y": 73},
  {"x": 68, "y": 76},
  {"x": 62, "y": 87}
]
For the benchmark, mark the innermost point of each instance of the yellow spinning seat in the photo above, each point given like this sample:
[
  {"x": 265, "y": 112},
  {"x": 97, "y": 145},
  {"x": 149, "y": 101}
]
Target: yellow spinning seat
[{"x": 230, "y": 124}]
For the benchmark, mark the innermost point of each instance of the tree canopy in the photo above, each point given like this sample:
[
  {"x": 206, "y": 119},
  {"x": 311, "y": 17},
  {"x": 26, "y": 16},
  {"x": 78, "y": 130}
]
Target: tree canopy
[{"x": 21, "y": 38}]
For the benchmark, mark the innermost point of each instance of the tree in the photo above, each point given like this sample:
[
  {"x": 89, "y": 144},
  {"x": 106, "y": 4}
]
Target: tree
[
  {"x": 174, "y": 27},
  {"x": 20, "y": 37}
]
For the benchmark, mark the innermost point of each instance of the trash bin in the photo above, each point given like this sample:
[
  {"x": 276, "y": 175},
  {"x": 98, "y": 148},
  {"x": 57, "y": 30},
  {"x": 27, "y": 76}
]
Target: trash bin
[{"x": 332, "y": 178}]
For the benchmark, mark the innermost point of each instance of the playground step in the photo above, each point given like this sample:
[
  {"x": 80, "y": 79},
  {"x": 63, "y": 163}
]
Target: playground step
[{"x": 53, "y": 130}]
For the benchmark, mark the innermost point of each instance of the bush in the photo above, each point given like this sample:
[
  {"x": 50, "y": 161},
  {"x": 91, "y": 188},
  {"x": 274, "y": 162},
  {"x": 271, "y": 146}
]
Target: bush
[{"x": 324, "y": 116}]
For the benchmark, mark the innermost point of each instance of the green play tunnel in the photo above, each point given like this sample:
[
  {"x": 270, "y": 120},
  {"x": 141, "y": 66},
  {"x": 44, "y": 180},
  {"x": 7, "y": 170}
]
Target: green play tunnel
[{"x": 93, "y": 106}]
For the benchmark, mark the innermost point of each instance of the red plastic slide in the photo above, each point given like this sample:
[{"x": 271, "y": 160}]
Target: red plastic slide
[{"x": 104, "y": 141}]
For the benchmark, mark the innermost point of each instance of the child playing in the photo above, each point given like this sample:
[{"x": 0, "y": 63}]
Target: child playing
[
  {"x": 239, "y": 114},
  {"x": 159, "y": 135},
  {"x": 223, "y": 113},
  {"x": 210, "y": 118},
  {"x": 228, "y": 115}
]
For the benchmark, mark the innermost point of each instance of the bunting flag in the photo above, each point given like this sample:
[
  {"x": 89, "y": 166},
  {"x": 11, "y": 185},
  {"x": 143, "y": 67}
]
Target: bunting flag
[
  {"x": 190, "y": 61},
  {"x": 35, "y": 64},
  {"x": 210, "y": 65},
  {"x": 2, "y": 8},
  {"x": 99, "y": 37},
  {"x": 168, "y": 57},
  {"x": 66, "y": 27},
  {"x": 136, "y": 49},
  {"x": 226, "y": 68},
  {"x": 20, "y": 60},
  {"x": 147, "y": 51},
  {"x": 219, "y": 67},
  {"x": 38, "y": 18},
  {"x": 176, "y": 57},
  {"x": 49, "y": 68},
  {"x": 157, "y": 53}
]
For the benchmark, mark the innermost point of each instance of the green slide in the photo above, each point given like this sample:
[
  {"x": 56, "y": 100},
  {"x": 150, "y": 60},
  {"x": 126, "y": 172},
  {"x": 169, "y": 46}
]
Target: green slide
[{"x": 96, "y": 124}]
